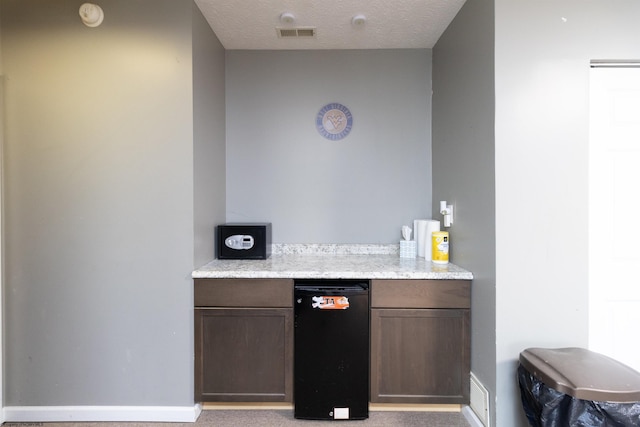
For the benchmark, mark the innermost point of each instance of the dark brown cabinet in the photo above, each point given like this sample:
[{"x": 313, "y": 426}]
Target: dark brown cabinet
[
  {"x": 420, "y": 341},
  {"x": 243, "y": 340}
]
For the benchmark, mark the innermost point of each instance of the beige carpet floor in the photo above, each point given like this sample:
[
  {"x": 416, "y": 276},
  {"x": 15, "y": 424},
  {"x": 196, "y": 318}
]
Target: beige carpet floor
[{"x": 284, "y": 418}]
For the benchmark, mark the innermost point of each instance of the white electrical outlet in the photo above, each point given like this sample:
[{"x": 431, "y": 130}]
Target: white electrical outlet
[{"x": 340, "y": 413}]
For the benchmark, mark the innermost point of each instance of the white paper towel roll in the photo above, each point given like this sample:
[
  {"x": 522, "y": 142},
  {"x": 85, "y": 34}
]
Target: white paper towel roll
[
  {"x": 422, "y": 230},
  {"x": 433, "y": 225},
  {"x": 420, "y": 227}
]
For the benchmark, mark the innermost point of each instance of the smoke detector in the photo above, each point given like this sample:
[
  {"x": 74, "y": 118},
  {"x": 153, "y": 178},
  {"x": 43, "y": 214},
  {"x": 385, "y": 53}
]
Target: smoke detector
[
  {"x": 358, "y": 21},
  {"x": 91, "y": 14},
  {"x": 287, "y": 18}
]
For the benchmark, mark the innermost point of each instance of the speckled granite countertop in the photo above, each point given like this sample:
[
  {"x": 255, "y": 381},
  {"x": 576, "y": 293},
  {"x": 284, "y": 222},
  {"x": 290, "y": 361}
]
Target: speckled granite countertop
[{"x": 332, "y": 262}]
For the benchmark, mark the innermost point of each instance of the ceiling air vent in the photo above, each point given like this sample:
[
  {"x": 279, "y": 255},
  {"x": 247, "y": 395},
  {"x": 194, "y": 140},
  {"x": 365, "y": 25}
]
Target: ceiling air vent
[{"x": 296, "y": 32}]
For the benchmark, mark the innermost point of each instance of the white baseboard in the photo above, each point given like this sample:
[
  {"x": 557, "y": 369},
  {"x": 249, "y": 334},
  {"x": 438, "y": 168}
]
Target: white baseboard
[
  {"x": 184, "y": 414},
  {"x": 471, "y": 417}
]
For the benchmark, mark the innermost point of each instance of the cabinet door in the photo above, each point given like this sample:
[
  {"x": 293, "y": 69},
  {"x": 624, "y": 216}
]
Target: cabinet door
[
  {"x": 244, "y": 355},
  {"x": 420, "y": 355}
]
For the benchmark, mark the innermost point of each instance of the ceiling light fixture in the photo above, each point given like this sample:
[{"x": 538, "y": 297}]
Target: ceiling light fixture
[
  {"x": 287, "y": 18},
  {"x": 91, "y": 14},
  {"x": 358, "y": 20}
]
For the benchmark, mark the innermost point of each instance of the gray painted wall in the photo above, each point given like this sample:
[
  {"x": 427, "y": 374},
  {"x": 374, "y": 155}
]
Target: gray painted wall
[
  {"x": 2, "y": 417},
  {"x": 542, "y": 54},
  {"x": 100, "y": 195},
  {"x": 361, "y": 189},
  {"x": 208, "y": 137},
  {"x": 464, "y": 166},
  {"x": 99, "y": 203}
]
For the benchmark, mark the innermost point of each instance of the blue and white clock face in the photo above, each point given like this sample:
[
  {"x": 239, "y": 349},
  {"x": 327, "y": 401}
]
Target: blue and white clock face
[{"x": 334, "y": 121}]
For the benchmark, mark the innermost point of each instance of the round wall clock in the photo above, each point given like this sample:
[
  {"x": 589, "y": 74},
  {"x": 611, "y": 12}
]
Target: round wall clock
[{"x": 334, "y": 121}]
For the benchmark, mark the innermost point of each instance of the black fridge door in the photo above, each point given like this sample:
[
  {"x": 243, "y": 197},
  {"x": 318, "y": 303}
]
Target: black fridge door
[{"x": 331, "y": 357}]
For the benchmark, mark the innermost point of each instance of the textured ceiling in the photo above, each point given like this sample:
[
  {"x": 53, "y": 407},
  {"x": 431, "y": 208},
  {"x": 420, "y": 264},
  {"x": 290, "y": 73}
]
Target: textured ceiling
[{"x": 389, "y": 24}]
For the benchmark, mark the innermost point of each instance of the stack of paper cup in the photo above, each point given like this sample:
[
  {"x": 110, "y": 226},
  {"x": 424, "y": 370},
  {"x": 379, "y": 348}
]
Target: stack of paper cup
[{"x": 423, "y": 229}]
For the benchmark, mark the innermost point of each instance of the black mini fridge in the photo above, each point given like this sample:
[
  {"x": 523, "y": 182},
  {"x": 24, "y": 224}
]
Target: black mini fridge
[{"x": 331, "y": 349}]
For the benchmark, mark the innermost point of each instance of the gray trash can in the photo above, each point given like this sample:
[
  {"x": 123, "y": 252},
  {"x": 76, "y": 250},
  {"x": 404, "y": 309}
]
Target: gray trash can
[{"x": 577, "y": 387}]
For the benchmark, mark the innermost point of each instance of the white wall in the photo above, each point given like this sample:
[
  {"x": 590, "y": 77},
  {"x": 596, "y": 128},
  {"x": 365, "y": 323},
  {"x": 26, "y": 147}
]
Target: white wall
[
  {"x": 361, "y": 189},
  {"x": 99, "y": 213},
  {"x": 542, "y": 53}
]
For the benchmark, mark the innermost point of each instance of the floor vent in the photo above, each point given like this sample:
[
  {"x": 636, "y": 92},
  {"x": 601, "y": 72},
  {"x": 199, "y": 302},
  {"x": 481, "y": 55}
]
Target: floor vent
[
  {"x": 479, "y": 400},
  {"x": 296, "y": 32}
]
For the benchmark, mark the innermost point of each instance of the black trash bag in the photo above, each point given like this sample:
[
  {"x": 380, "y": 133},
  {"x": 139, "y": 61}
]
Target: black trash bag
[{"x": 547, "y": 407}]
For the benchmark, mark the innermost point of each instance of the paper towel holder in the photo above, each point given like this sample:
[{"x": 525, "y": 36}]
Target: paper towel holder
[{"x": 447, "y": 211}]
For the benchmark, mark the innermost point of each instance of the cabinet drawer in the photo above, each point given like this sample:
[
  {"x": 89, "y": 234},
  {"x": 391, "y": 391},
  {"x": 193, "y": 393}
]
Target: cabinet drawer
[
  {"x": 421, "y": 293},
  {"x": 243, "y": 293}
]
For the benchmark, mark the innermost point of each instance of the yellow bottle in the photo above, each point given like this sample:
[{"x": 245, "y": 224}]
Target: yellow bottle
[{"x": 440, "y": 247}]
